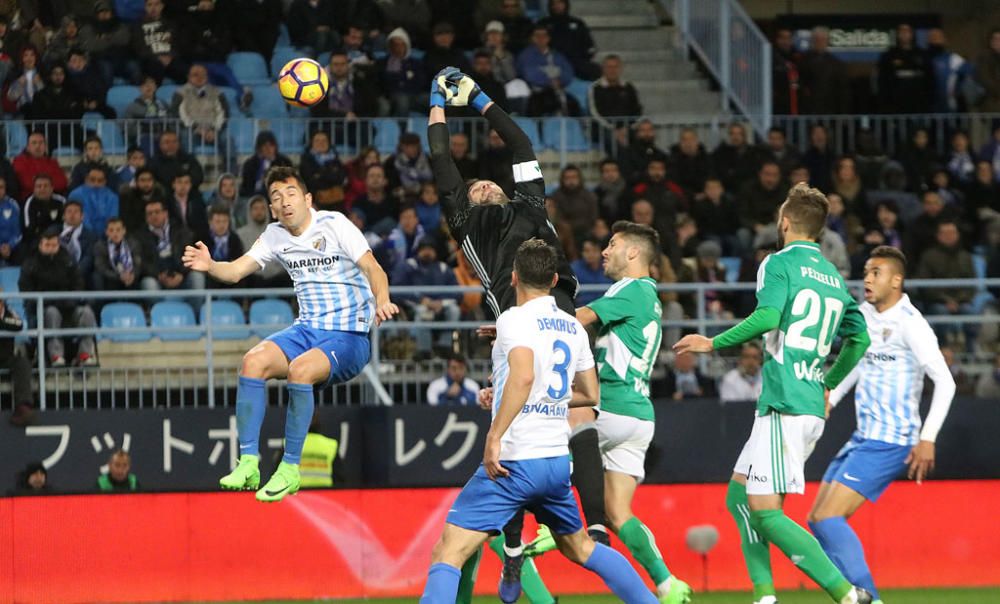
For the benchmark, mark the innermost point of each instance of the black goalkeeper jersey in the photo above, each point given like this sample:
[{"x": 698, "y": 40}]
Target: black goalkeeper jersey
[{"x": 490, "y": 234}]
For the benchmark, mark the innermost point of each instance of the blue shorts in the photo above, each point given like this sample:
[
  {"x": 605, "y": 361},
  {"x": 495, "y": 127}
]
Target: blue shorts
[
  {"x": 867, "y": 466},
  {"x": 348, "y": 351},
  {"x": 540, "y": 486}
]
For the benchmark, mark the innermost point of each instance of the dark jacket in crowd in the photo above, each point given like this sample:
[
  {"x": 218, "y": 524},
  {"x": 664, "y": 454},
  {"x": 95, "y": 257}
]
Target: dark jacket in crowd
[
  {"x": 905, "y": 81},
  {"x": 720, "y": 219},
  {"x": 56, "y": 273},
  {"x": 132, "y": 206},
  {"x": 620, "y": 100},
  {"x": 785, "y": 96},
  {"x": 690, "y": 172},
  {"x": 107, "y": 272},
  {"x": 735, "y": 165},
  {"x": 824, "y": 87},
  {"x": 941, "y": 262},
  {"x": 165, "y": 168},
  {"x": 634, "y": 159},
  {"x": 758, "y": 205},
  {"x": 571, "y": 36},
  {"x": 179, "y": 237}
]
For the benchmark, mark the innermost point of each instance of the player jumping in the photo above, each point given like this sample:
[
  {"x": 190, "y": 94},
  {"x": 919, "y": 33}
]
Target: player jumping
[
  {"x": 802, "y": 304},
  {"x": 341, "y": 291},
  {"x": 890, "y": 380},
  {"x": 539, "y": 352},
  {"x": 490, "y": 227}
]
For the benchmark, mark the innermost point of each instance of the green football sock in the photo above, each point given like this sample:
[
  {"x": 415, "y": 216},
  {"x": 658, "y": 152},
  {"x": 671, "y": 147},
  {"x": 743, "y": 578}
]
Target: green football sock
[
  {"x": 531, "y": 582},
  {"x": 802, "y": 549},
  {"x": 640, "y": 541},
  {"x": 756, "y": 549},
  {"x": 468, "y": 579}
]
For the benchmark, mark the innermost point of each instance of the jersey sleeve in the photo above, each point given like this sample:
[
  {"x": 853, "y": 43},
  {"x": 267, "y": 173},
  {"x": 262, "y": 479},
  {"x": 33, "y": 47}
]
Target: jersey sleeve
[
  {"x": 920, "y": 338},
  {"x": 451, "y": 187},
  {"x": 615, "y": 305},
  {"x": 512, "y": 332},
  {"x": 529, "y": 185},
  {"x": 772, "y": 284},
  {"x": 350, "y": 238},
  {"x": 585, "y": 358},
  {"x": 853, "y": 321},
  {"x": 261, "y": 250}
]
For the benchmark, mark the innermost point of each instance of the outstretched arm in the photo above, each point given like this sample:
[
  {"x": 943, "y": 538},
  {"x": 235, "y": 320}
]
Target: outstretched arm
[
  {"x": 451, "y": 187},
  {"x": 197, "y": 258}
]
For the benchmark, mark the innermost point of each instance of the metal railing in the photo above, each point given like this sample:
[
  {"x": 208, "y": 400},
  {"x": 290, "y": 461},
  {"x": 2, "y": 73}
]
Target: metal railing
[
  {"x": 383, "y": 382},
  {"x": 733, "y": 49}
]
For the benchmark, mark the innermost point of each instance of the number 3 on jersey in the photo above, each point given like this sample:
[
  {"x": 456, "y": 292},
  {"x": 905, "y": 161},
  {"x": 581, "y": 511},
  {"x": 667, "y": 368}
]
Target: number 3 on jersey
[{"x": 561, "y": 369}]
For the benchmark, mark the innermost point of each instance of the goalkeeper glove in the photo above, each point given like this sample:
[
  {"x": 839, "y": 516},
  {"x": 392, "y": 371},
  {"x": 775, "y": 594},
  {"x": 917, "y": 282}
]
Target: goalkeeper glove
[
  {"x": 469, "y": 93},
  {"x": 443, "y": 87}
]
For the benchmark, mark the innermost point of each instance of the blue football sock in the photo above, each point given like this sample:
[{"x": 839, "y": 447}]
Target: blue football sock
[
  {"x": 250, "y": 403},
  {"x": 300, "y": 411},
  {"x": 618, "y": 574},
  {"x": 844, "y": 548},
  {"x": 442, "y": 584}
]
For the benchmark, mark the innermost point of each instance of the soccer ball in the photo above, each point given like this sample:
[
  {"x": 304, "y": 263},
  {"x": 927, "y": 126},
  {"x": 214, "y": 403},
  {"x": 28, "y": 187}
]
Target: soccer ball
[{"x": 303, "y": 82}]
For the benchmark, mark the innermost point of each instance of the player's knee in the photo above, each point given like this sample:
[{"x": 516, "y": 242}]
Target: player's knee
[
  {"x": 255, "y": 365},
  {"x": 616, "y": 516},
  {"x": 576, "y": 548},
  {"x": 303, "y": 371}
]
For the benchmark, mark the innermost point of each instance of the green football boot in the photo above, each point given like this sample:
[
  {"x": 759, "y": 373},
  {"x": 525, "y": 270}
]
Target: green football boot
[
  {"x": 246, "y": 476},
  {"x": 542, "y": 543},
  {"x": 677, "y": 592},
  {"x": 285, "y": 481}
]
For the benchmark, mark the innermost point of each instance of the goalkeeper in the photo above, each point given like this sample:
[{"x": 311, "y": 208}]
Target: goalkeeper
[{"x": 490, "y": 226}]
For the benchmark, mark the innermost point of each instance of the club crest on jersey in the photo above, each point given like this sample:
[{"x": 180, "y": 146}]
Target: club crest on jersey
[
  {"x": 319, "y": 244},
  {"x": 885, "y": 334}
]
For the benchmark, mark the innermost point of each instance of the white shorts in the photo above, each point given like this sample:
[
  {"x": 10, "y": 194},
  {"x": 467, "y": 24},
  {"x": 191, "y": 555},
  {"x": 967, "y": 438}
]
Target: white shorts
[
  {"x": 774, "y": 457},
  {"x": 623, "y": 441}
]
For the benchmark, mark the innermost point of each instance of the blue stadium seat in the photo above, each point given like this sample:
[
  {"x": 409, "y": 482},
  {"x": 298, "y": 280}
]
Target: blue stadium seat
[
  {"x": 8, "y": 282},
  {"x": 90, "y": 120},
  {"x": 732, "y": 264},
  {"x": 248, "y": 67},
  {"x": 530, "y": 128},
  {"x": 386, "y": 135},
  {"x": 291, "y": 135},
  {"x": 552, "y": 131},
  {"x": 267, "y": 103},
  {"x": 579, "y": 90},
  {"x": 227, "y": 319},
  {"x": 16, "y": 136},
  {"x": 281, "y": 57},
  {"x": 243, "y": 132},
  {"x": 171, "y": 314},
  {"x": 119, "y": 97},
  {"x": 166, "y": 92},
  {"x": 270, "y": 312},
  {"x": 418, "y": 126},
  {"x": 232, "y": 98},
  {"x": 124, "y": 314},
  {"x": 111, "y": 137},
  {"x": 283, "y": 38},
  {"x": 324, "y": 58}
]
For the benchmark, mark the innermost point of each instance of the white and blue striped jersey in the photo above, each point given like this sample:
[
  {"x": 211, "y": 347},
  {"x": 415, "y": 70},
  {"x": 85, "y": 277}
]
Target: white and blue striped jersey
[
  {"x": 332, "y": 291},
  {"x": 561, "y": 349},
  {"x": 890, "y": 378}
]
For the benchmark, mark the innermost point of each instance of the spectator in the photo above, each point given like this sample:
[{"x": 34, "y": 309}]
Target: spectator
[
  {"x": 428, "y": 208},
  {"x": 272, "y": 275},
  {"x": 357, "y": 169},
  {"x": 10, "y": 228},
  {"x": 495, "y": 162},
  {"x": 118, "y": 261},
  {"x": 353, "y": 93},
  {"x": 818, "y": 158},
  {"x": 108, "y": 41},
  {"x": 18, "y": 366},
  {"x": 35, "y": 160},
  {"x": 414, "y": 16},
  {"x": 9, "y": 176},
  {"x": 718, "y": 217},
  {"x": 847, "y": 183},
  {"x": 442, "y": 53},
  {"x": 983, "y": 196},
  {"x": 689, "y": 164},
  {"x": 409, "y": 167},
  {"x": 684, "y": 380},
  {"x": 960, "y": 162},
  {"x": 402, "y": 75},
  {"x": 642, "y": 212},
  {"x": 255, "y": 25},
  {"x": 501, "y": 59},
  {"x": 78, "y": 239},
  {"x": 358, "y": 47},
  {"x": 834, "y": 249},
  {"x": 42, "y": 209},
  {"x": 940, "y": 181},
  {"x": 459, "y": 145},
  {"x": 923, "y": 231},
  {"x": 205, "y": 38},
  {"x": 163, "y": 241},
  {"x": 255, "y": 168},
  {"x": 641, "y": 150},
  {"x": 610, "y": 192},
  {"x": 919, "y": 159},
  {"x": 662, "y": 272},
  {"x": 784, "y": 74},
  {"x": 200, "y": 106},
  {"x": 548, "y": 72},
  {"x": 708, "y": 269},
  {"x": 905, "y": 76},
  {"x": 987, "y": 71},
  {"x": 485, "y": 77},
  {"x": 132, "y": 204},
  {"x": 93, "y": 157},
  {"x": 613, "y": 97},
  {"x": 51, "y": 269},
  {"x": 948, "y": 260},
  {"x": 684, "y": 243},
  {"x": 869, "y": 157},
  {"x": 798, "y": 175},
  {"x": 574, "y": 202},
  {"x": 665, "y": 195},
  {"x": 187, "y": 207},
  {"x": 571, "y": 37},
  {"x": 154, "y": 43},
  {"x": 824, "y": 87},
  {"x": 311, "y": 26},
  {"x": 88, "y": 82},
  {"x": 135, "y": 159},
  {"x": 130, "y": 11},
  {"x": 589, "y": 270},
  {"x": 147, "y": 106},
  {"x": 963, "y": 383},
  {"x": 324, "y": 174},
  {"x": 170, "y": 160},
  {"x": 401, "y": 243},
  {"x": 225, "y": 195},
  {"x": 743, "y": 382},
  {"x": 780, "y": 151},
  {"x": 381, "y": 209},
  {"x": 28, "y": 81},
  {"x": 988, "y": 384},
  {"x": 759, "y": 201},
  {"x": 57, "y": 101},
  {"x": 66, "y": 38},
  {"x": 424, "y": 269},
  {"x": 119, "y": 477},
  {"x": 950, "y": 70},
  {"x": 519, "y": 29},
  {"x": 563, "y": 231},
  {"x": 33, "y": 480},
  {"x": 735, "y": 160},
  {"x": 887, "y": 230},
  {"x": 223, "y": 243},
  {"x": 454, "y": 388}
]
